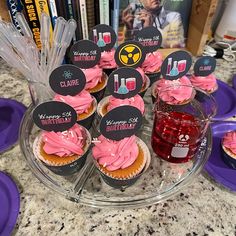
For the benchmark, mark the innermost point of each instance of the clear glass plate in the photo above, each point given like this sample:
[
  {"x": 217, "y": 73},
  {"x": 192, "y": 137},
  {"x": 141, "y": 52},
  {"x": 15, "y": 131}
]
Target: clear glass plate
[{"x": 159, "y": 182}]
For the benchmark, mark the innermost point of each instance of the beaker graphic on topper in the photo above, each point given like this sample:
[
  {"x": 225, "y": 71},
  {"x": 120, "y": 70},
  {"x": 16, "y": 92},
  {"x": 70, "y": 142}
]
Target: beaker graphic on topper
[
  {"x": 101, "y": 42},
  {"x": 126, "y": 85},
  {"x": 107, "y": 37},
  {"x": 103, "y": 39},
  {"x": 178, "y": 67}
]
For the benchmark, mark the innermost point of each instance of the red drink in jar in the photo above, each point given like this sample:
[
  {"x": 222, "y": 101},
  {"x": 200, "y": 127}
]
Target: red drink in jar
[{"x": 176, "y": 137}]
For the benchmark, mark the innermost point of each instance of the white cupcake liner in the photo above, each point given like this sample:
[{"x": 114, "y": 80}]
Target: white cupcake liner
[
  {"x": 38, "y": 142},
  {"x": 101, "y": 104},
  {"x": 141, "y": 170}
]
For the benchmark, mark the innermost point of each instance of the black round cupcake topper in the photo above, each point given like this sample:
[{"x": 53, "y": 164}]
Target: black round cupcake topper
[
  {"x": 130, "y": 54},
  {"x": 121, "y": 122},
  {"x": 124, "y": 82},
  {"x": 150, "y": 38},
  {"x": 85, "y": 54},
  {"x": 176, "y": 65},
  {"x": 204, "y": 66},
  {"x": 103, "y": 36},
  {"x": 54, "y": 116},
  {"x": 67, "y": 80}
]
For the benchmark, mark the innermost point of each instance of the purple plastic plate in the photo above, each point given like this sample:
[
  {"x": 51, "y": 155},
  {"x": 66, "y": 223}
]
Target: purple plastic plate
[
  {"x": 9, "y": 204},
  {"x": 11, "y": 115},
  {"x": 215, "y": 166},
  {"x": 226, "y": 99},
  {"x": 234, "y": 81}
]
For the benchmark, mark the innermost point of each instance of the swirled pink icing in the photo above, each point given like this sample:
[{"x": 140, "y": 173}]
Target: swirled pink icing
[
  {"x": 107, "y": 60},
  {"x": 80, "y": 102},
  {"x": 182, "y": 90},
  {"x": 115, "y": 155},
  {"x": 207, "y": 83},
  {"x": 153, "y": 62},
  {"x": 65, "y": 143},
  {"x": 229, "y": 141},
  {"x": 135, "y": 101},
  {"x": 93, "y": 76}
]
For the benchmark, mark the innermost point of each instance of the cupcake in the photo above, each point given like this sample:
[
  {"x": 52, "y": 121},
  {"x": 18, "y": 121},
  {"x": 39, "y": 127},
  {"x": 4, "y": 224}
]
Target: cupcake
[
  {"x": 152, "y": 65},
  {"x": 107, "y": 61},
  {"x": 84, "y": 104},
  {"x": 206, "y": 83},
  {"x": 110, "y": 102},
  {"x": 229, "y": 149},
  {"x": 181, "y": 93},
  {"x": 64, "y": 153},
  {"x": 146, "y": 82},
  {"x": 96, "y": 82},
  {"x": 122, "y": 162}
]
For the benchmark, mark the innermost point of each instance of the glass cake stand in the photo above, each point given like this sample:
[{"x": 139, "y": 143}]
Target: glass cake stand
[{"x": 159, "y": 182}]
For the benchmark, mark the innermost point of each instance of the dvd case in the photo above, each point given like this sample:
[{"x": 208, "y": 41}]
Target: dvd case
[{"x": 171, "y": 17}]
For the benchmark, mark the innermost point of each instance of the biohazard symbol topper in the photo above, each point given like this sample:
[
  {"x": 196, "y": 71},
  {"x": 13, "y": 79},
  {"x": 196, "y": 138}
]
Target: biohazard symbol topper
[{"x": 130, "y": 54}]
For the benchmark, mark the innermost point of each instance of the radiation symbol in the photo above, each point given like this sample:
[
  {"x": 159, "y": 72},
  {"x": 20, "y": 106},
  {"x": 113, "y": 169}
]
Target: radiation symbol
[{"x": 130, "y": 55}]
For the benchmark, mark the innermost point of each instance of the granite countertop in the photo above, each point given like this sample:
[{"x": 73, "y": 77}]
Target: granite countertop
[{"x": 202, "y": 208}]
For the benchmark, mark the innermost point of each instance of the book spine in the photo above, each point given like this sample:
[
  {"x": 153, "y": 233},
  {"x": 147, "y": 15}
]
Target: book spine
[
  {"x": 61, "y": 8},
  {"x": 42, "y": 6},
  {"x": 101, "y": 11},
  {"x": 76, "y": 13},
  {"x": 90, "y": 14},
  {"x": 33, "y": 20},
  {"x": 69, "y": 8},
  {"x": 83, "y": 14},
  {"x": 14, "y": 7},
  {"x": 104, "y": 12},
  {"x": 97, "y": 12},
  {"x": 116, "y": 16},
  {"x": 53, "y": 11}
]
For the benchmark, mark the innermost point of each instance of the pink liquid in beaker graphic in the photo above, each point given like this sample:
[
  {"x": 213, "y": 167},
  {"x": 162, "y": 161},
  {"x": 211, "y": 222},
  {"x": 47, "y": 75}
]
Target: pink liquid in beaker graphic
[
  {"x": 131, "y": 84},
  {"x": 107, "y": 37},
  {"x": 181, "y": 65}
]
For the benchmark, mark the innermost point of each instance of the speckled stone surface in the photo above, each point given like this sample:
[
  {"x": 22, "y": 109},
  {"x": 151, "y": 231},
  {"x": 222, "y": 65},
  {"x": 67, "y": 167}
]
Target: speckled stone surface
[{"x": 202, "y": 208}]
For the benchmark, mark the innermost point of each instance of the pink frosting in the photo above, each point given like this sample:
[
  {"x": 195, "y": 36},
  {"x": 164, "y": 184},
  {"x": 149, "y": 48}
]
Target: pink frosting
[
  {"x": 115, "y": 155},
  {"x": 153, "y": 62},
  {"x": 65, "y": 143},
  {"x": 135, "y": 101},
  {"x": 207, "y": 83},
  {"x": 141, "y": 71},
  {"x": 107, "y": 60},
  {"x": 80, "y": 102},
  {"x": 93, "y": 76},
  {"x": 229, "y": 141},
  {"x": 177, "y": 95}
]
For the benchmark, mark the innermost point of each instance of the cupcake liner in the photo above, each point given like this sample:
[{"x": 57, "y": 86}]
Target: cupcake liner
[
  {"x": 66, "y": 167},
  {"x": 153, "y": 77},
  {"x": 87, "y": 122},
  {"x": 100, "y": 93},
  {"x": 133, "y": 177},
  {"x": 100, "y": 108},
  {"x": 143, "y": 91},
  {"x": 228, "y": 159}
]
